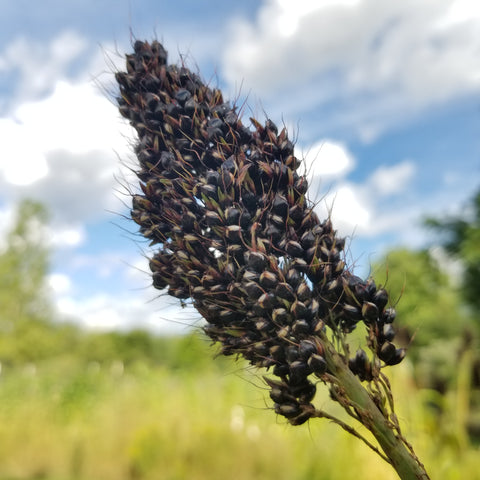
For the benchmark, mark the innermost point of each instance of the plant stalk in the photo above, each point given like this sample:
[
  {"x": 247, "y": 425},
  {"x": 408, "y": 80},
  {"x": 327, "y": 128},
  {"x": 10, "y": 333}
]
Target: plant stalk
[{"x": 351, "y": 393}]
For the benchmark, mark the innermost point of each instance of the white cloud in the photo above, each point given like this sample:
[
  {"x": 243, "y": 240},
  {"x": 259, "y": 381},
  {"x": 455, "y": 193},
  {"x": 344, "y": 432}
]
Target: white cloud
[
  {"x": 378, "y": 61},
  {"x": 40, "y": 65},
  {"x": 349, "y": 209},
  {"x": 369, "y": 208},
  {"x": 62, "y": 150},
  {"x": 386, "y": 181},
  {"x": 70, "y": 236},
  {"x": 59, "y": 283},
  {"x": 108, "y": 312},
  {"x": 328, "y": 158}
]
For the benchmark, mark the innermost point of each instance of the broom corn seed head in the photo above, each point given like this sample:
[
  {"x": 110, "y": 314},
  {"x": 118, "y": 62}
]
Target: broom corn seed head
[{"x": 225, "y": 208}]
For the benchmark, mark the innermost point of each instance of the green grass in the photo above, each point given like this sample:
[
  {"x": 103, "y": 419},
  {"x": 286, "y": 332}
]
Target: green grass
[{"x": 62, "y": 420}]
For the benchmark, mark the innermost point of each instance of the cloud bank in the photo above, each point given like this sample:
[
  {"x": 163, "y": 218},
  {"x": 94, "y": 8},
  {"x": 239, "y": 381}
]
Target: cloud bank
[{"x": 376, "y": 62}]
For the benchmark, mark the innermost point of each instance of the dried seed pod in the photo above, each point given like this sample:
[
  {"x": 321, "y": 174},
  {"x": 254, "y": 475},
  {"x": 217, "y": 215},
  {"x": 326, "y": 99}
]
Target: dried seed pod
[
  {"x": 293, "y": 277},
  {"x": 307, "y": 348},
  {"x": 369, "y": 311},
  {"x": 360, "y": 365},
  {"x": 268, "y": 279},
  {"x": 280, "y": 316},
  {"x": 303, "y": 292},
  {"x": 380, "y": 298},
  {"x": 232, "y": 215},
  {"x": 253, "y": 290},
  {"x": 387, "y": 352},
  {"x": 234, "y": 233},
  {"x": 302, "y": 417},
  {"x": 285, "y": 291},
  {"x": 288, "y": 410},
  {"x": 389, "y": 315},
  {"x": 280, "y": 206},
  {"x": 299, "y": 309},
  {"x": 292, "y": 354},
  {"x": 294, "y": 249},
  {"x": 256, "y": 261},
  {"x": 397, "y": 357},
  {"x": 281, "y": 396},
  {"x": 317, "y": 364},
  {"x": 277, "y": 352},
  {"x": 266, "y": 301},
  {"x": 388, "y": 332},
  {"x": 301, "y": 327},
  {"x": 299, "y": 370}
]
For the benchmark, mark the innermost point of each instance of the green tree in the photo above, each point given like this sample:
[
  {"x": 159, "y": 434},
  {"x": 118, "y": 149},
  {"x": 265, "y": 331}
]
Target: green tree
[
  {"x": 25, "y": 312},
  {"x": 427, "y": 302},
  {"x": 462, "y": 241}
]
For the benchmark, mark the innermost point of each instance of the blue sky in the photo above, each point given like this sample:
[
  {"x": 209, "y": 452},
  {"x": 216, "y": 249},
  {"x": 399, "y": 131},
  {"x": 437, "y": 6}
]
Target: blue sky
[{"x": 383, "y": 99}]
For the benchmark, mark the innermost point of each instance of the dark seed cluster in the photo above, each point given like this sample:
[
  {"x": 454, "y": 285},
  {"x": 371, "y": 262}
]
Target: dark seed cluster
[{"x": 226, "y": 208}]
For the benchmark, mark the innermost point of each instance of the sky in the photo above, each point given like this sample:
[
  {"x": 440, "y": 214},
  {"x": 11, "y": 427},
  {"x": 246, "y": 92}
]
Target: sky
[{"x": 382, "y": 99}]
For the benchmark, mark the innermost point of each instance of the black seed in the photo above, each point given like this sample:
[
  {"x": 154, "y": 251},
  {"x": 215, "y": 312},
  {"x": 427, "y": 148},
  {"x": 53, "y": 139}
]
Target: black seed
[
  {"x": 266, "y": 301},
  {"x": 298, "y": 309},
  {"x": 303, "y": 292},
  {"x": 388, "y": 332},
  {"x": 229, "y": 164},
  {"x": 387, "y": 352},
  {"x": 190, "y": 106},
  {"x": 302, "y": 418},
  {"x": 306, "y": 348},
  {"x": 256, "y": 261},
  {"x": 250, "y": 200},
  {"x": 292, "y": 354},
  {"x": 280, "y": 205},
  {"x": 301, "y": 327},
  {"x": 369, "y": 311},
  {"x": 158, "y": 281},
  {"x": 253, "y": 290},
  {"x": 293, "y": 277},
  {"x": 182, "y": 96},
  {"x": 307, "y": 240},
  {"x": 389, "y": 315},
  {"x": 269, "y": 125},
  {"x": 285, "y": 291},
  {"x": 268, "y": 279},
  {"x": 280, "y": 395},
  {"x": 397, "y": 357},
  {"x": 280, "y": 370},
  {"x": 232, "y": 215},
  {"x": 212, "y": 177},
  {"x": 213, "y": 218},
  {"x": 280, "y": 316},
  {"x": 234, "y": 233},
  {"x": 317, "y": 364},
  {"x": 299, "y": 369},
  {"x": 245, "y": 219},
  {"x": 351, "y": 312},
  {"x": 288, "y": 410},
  {"x": 277, "y": 352},
  {"x": 294, "y": 249},
  {"x": 188, "y": 222},
  {"x": 380, "y": 299}
]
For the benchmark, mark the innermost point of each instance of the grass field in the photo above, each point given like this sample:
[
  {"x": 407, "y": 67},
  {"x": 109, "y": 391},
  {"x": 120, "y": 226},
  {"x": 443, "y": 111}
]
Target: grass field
[{"x": 63, "y": 419}]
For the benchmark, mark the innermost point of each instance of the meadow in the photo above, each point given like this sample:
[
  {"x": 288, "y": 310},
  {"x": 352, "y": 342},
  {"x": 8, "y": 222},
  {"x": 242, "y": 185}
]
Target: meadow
[{"x": 185, "y": 414}]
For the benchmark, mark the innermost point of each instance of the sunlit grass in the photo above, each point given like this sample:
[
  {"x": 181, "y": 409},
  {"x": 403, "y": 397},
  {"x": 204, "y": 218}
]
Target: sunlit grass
[{"x": 63, "y": 420}]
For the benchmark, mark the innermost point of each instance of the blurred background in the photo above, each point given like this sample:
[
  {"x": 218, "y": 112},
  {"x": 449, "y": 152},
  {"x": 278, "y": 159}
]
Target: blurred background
[{"x": 103, "y": 377}]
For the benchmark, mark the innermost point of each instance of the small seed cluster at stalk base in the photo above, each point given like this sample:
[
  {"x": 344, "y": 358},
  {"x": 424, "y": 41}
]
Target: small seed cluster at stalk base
[{"x": 226, "y": 208}]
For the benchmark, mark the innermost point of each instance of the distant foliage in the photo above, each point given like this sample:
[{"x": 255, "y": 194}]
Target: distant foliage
[{"x": 462, "y": 240}]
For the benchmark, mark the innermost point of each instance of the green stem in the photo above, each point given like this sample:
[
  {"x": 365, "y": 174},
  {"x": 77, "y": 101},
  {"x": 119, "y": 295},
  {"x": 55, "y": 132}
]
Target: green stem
[{"x": 351, "y": 394}]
